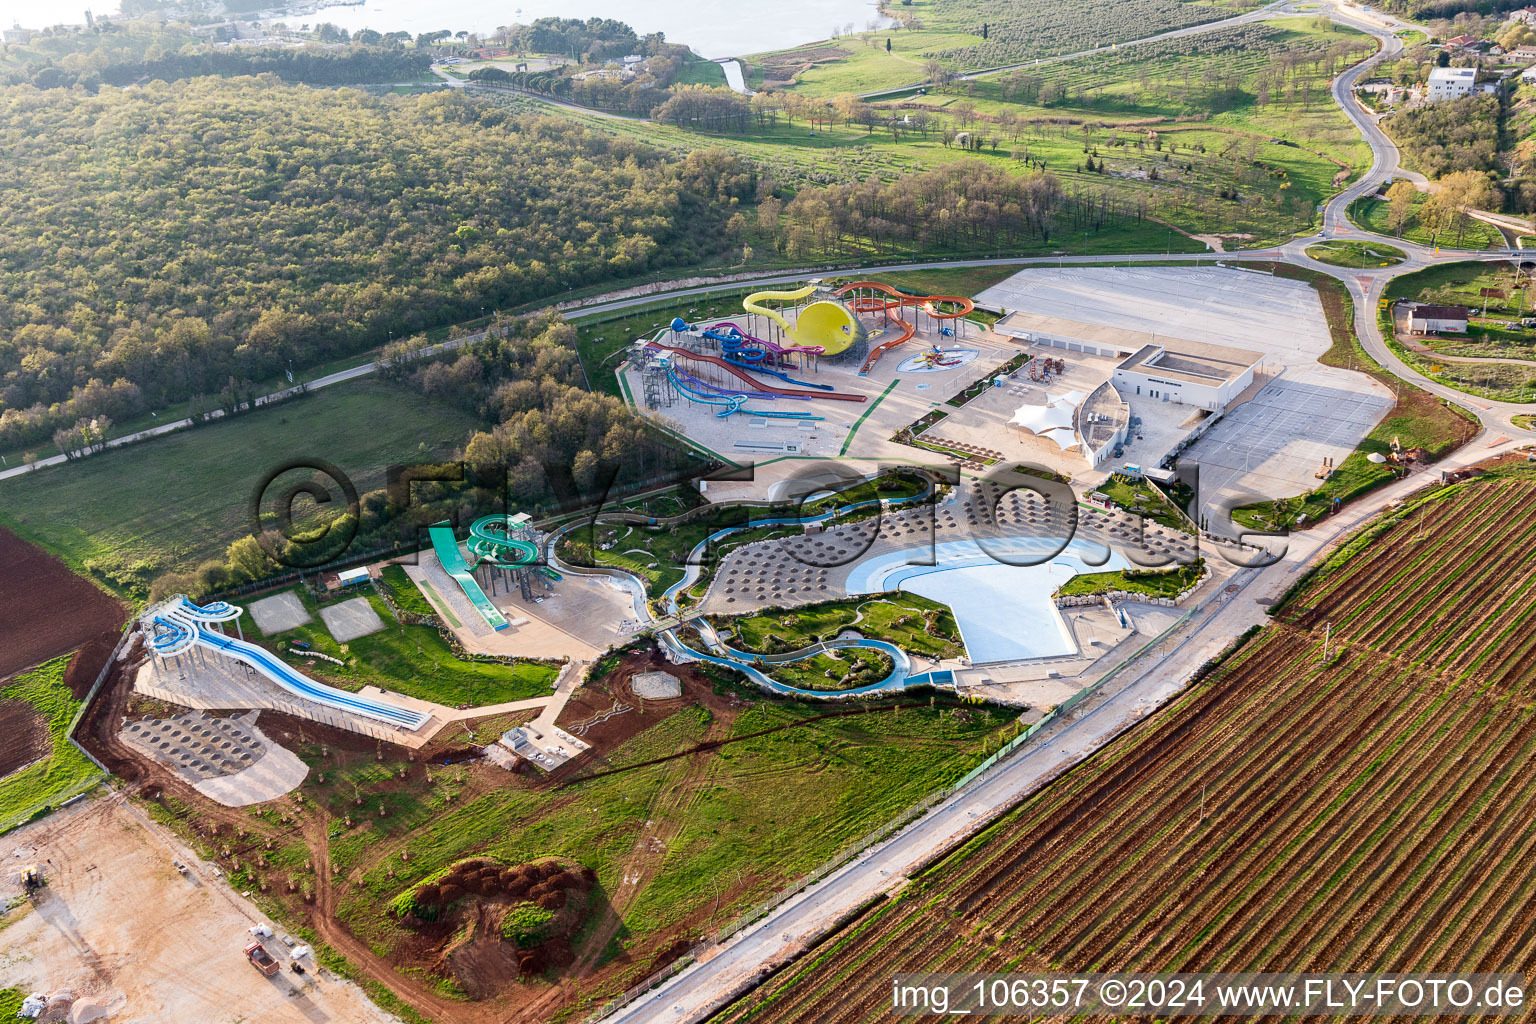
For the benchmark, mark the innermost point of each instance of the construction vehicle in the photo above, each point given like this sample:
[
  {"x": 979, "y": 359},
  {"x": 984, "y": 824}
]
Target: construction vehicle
[
  {"x": 260, "y": 959},
  {"x": 32, "y": 881}
]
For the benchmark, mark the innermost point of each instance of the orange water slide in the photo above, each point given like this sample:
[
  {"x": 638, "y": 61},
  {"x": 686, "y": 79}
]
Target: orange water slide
[{"x": 890, "y": 302}]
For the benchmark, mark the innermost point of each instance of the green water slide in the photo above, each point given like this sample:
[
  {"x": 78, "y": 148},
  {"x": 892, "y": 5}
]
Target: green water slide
[
  {"x": 490, "y": 541},
  {"x": 452, "y": 559}
]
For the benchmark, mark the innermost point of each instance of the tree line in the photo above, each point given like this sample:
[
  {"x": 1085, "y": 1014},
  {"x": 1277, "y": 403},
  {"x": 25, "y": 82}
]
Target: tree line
[
  {"x": 183, "y": 234},
  {"x": 960, "y": 206}
]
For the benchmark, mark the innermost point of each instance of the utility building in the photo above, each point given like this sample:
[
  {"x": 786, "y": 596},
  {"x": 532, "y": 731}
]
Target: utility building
[{"x": 1187, "y": 373}]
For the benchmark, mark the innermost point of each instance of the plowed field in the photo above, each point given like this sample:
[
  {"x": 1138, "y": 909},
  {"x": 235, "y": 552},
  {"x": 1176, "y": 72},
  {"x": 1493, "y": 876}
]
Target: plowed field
[
  {"x": 46, "y": 610},
  {"x": 1370, "y": 813}
]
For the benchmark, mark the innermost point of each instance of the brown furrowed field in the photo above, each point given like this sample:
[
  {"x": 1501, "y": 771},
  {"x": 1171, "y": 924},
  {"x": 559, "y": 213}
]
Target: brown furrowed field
[{"x": 1368, "y": 814}]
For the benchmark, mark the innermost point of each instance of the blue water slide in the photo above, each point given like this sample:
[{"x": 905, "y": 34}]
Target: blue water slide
[{"x": 300, "y": 685}]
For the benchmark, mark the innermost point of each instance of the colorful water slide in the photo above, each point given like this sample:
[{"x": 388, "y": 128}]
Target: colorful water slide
[
  {"x": 891, "y": 305},
  {"x": 829, "y": 326},
  {"x": 452, "y": 560},
  {"x": 188, "y": 624},
  {"x": 730, "y": 401},
  {"x": 741, "y": 348},
  {"x": 490, "y": 541},
  {"x": 756, "y": 385}
]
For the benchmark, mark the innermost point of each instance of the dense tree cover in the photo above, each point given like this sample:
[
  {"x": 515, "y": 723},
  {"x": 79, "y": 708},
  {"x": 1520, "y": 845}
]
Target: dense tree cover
[
  {"x": 178, "y": 235},
  {"x": 315, "y": 65},
  {"x": 121, "y": 53},
  {"x": 960, "y": 205},
  {"x": 1445, "y": 209},
  {"x": 548, "y": 443},
  {"x": 596, "y": 39},
  {"x": 703, "y": 108},
  {"x": 1452, "y": 135},
  {"x": 608, "y": 88}
]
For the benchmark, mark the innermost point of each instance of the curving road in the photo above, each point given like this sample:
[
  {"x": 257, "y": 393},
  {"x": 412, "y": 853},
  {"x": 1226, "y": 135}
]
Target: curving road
[{"x": 737, "y": 964}]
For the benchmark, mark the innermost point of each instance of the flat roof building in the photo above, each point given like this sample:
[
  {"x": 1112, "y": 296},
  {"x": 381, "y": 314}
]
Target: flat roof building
[
  {"x": 1450, "y": 83},
  {"x": 1187, "y": 373}
]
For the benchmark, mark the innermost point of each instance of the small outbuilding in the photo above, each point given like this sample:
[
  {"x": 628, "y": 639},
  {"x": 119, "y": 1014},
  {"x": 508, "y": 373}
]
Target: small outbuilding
[{"x": 1438, "y": 319}]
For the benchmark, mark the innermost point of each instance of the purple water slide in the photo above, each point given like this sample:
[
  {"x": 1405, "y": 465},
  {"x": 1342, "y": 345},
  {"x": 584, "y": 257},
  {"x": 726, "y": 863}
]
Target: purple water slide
[
  {"x": 814, "y": 350},
  {"x": 767, "y": 395}
]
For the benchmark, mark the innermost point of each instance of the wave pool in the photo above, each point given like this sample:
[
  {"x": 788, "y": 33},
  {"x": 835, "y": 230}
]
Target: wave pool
[{"x": 1004, "y": 610}]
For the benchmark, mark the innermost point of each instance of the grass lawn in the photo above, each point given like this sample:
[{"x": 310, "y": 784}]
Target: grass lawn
[
  {"x": 865, "y": 66},
  {"x": 404, "y": 592},
  {"x": 1153, "y": 583},
  {"x": 63, "y": 773},
  {"x": 128, "y": 515},
  {"x": 701, "y": 72},
  {"x": 741, "y": 820},
  {"x": 1525, "y": 421},
  {"x": 915, "y": 624},
  {"x": 836, "y": 670},
  {"x": 1462, "y": 284},
  {"x": 1138, "y": 497},
  {"x": 413, "y": 660},
  {"x": 1508, "y": 299},
  {"x": 1371, "y": 214},
  {"x": 1356, "y": 254}
]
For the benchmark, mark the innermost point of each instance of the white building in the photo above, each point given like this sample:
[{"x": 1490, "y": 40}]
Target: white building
[
  {"x": 1450, "y": 83},
  {"x": 1186, "y": 373},
  {"x": 1437, "y": 319}
]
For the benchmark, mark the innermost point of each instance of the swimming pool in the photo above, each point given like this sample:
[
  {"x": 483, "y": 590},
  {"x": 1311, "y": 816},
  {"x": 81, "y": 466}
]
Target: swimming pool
[{"x": 1005, "y": 611}]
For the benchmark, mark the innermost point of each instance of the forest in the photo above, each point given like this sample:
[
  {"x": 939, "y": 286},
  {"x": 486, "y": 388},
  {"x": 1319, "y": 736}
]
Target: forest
[
  {"x": 1452, "y": 135},
  {"x": 957, "y": 205},
  {"x": 181, "y": 237}
]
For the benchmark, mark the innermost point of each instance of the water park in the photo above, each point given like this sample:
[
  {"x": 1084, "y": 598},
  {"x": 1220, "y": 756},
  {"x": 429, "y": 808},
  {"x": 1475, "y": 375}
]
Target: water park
[{"x": 799, "y": 367}]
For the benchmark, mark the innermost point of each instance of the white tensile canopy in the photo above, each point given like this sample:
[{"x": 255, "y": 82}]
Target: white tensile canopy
[
  {"x": 1053, "y": 420},
  {"x": 1041, "y": 418}
]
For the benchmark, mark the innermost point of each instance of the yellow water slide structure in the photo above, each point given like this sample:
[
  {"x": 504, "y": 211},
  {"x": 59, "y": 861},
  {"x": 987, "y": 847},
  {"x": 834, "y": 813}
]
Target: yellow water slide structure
[{"x": 826, "y": 327}]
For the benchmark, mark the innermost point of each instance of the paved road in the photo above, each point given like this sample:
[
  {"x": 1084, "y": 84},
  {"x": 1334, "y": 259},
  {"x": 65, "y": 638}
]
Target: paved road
[
  {"x": 339, "y": 377},
  {"x": 724, "y": 972}
]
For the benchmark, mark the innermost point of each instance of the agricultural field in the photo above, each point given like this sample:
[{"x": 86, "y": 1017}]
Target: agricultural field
[
  {"x": 689, "y": 812},
  {"x": 1290, "y": 812},
  {"x": 413, "y": 660},
  {"x": 972, "y": 34},
  {"x": 39, "y": 765},
  {"x": 129, "y": 515},
  {"x": 47, "y": 610}
]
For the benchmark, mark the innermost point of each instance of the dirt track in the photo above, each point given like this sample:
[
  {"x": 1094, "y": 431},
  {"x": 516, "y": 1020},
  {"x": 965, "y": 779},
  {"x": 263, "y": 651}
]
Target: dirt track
[{"x": 47, "y": 610}]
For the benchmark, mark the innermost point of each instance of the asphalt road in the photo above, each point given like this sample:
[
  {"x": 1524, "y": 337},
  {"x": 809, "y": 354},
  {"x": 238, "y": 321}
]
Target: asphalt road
[{"x": 732, "y": 968}]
